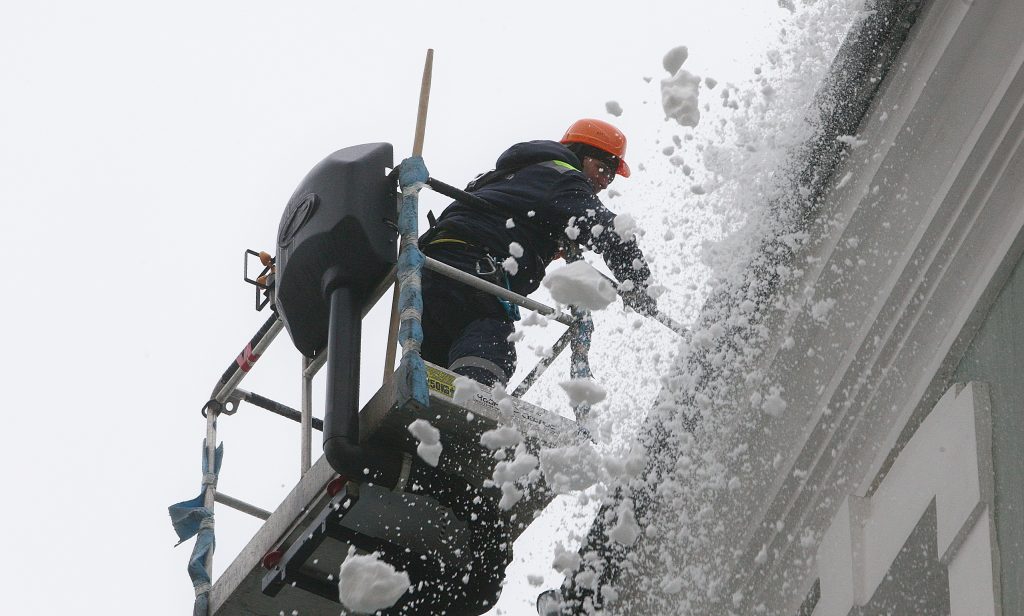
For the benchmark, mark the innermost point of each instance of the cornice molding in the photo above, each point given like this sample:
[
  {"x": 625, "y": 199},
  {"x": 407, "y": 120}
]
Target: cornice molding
[{"x": 925, "y": 229}]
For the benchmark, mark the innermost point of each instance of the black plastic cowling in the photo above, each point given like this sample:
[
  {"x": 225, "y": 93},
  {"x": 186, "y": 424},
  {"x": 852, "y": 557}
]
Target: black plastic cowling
[
  {"x": 337, "y": 230},
  {"x": 337, "y": 242}
]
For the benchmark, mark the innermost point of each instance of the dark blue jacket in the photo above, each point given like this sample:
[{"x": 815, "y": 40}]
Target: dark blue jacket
[{"x": 539, "y": 186}]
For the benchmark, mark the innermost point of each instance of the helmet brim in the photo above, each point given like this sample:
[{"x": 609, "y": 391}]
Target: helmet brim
[{"x": 623, "y": 169}]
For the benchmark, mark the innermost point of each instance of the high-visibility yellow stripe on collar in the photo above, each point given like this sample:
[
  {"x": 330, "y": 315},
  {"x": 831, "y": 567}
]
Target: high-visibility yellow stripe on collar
[{"x": 559, "y": 166}]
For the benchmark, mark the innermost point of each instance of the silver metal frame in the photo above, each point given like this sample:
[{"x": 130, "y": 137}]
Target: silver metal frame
[{"x": 310, "y": 367}]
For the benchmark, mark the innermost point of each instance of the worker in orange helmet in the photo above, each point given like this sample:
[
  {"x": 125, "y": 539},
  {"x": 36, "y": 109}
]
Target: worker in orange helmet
[{"x": 540, "y": 197}]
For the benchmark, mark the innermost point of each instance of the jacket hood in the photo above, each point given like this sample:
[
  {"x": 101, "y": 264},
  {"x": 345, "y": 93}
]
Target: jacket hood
[{"x": 531, "y": 152}]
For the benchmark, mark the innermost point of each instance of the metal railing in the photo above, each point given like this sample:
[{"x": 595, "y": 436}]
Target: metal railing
[{"x": 227, "y": 395}]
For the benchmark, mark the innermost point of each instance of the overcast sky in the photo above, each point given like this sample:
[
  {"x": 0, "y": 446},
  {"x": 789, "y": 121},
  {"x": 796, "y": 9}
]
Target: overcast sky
[{"x": 144, "y": 146}]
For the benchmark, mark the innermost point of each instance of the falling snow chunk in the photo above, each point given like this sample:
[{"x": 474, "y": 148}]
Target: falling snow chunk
[
  {"x": 509, "y": 224},
  {"x": 820, "y": 310},
  {"x": 614, "y": 466},
  {"x": 710, "y": 82},
  {"x": 534, "y": 580},
  {"x": 510, "y": 495},
  {"x": 851, "y": 141},
  {"x": 697, "y": 189},
  {"x": 668, "y": 150},
  {"x": 515, "y": 249},
  {"x": 674, "y": 59},
  {"x": 613, "y": 108},
  {"x": 762, "y": 556},
  {"x": 565, "y": 561},
  {"x": 773, "y": 404},
  {"x": 572, "y": 232},
  {"x": 465, "y": 390},
  {"x": 367, "y": 584},
  {"x": 680, "y": 98},
  {"x": 626, "y": 227},
  {"x": 430, "y": 441},
  {"x": 498, "y": 438},
  {"x": 425, "y": 432},
  {"x": 510, "y": 265},
  {"x": 567, "y": 469},
  {"x": 626, "y": 530},
  {"x": 579, "y": 284},
  {"x": 671, "y": 585},
  {"x": 583, "y": 391},
  {"x": 523, "y": 465},
  {"x": 535, "y": 318}
]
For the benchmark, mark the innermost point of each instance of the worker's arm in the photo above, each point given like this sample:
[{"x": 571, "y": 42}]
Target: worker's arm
[
  {"x": 627, "y": 262},
  {"x": 593, "y": 226}
]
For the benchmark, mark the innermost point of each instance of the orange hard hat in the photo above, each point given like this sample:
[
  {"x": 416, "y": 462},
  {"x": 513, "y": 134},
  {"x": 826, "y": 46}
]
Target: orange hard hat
[{"x": 601, "y": 135}]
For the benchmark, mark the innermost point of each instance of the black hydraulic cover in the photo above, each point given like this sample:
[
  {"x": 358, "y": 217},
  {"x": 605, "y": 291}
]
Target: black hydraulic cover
[{"x": 339, "y": 230}]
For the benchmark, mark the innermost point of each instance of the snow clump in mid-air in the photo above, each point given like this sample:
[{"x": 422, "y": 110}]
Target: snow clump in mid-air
[
  {"x": 510, "y": 265},
  {"x": 614, "y": 108},
  {"x": 367, "y": 584},
  {"x": 680, "y": 92},
  {"x": 465, "y": 390},
  {"x": 626, "y": 530},
  {"x": 774, "y": 404},
  {"x": 626, "y": 227},
  {"x": 508, "y": 472},
  {"x": 430, "y": 441},
  {"x": 583, "y": 391},
  {"x": 579, "y": 284},
  {"x": 571, "y": 468},
  {"x": 498, "y": 438},
  {"x": 674, "y": 59}
]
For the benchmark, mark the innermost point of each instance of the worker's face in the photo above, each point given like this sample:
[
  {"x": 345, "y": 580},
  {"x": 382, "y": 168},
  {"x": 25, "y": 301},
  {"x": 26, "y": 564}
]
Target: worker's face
[{"x": 599, "y": 172}]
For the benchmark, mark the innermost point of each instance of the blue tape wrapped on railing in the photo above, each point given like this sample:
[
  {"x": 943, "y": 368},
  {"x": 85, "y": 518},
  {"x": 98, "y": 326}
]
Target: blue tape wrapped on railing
[
  {"x": 412, "y": 381},
  {"x": 191, "y": 518}
]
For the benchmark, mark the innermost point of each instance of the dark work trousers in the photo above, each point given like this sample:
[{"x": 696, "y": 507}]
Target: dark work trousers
[{"x": 464, "y": 329}]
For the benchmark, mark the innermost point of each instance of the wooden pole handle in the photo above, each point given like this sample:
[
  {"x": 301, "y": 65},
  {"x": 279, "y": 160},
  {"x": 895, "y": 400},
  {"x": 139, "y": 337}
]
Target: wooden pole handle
[
  {"x": 417, "y": 150},
  {"x": 421, "y": 116}
]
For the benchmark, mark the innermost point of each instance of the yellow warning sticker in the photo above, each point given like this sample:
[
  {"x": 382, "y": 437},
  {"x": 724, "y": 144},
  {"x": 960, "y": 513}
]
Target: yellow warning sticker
[{"x": 441, "y": 382}]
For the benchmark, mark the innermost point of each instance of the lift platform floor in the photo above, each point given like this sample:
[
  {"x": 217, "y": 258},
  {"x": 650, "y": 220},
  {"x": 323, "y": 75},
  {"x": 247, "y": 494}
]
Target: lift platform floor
[{"x": 314, "y": 529}]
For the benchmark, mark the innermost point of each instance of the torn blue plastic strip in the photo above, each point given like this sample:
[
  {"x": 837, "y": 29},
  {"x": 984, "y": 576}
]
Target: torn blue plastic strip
[{"x": 192, "y": 519}]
